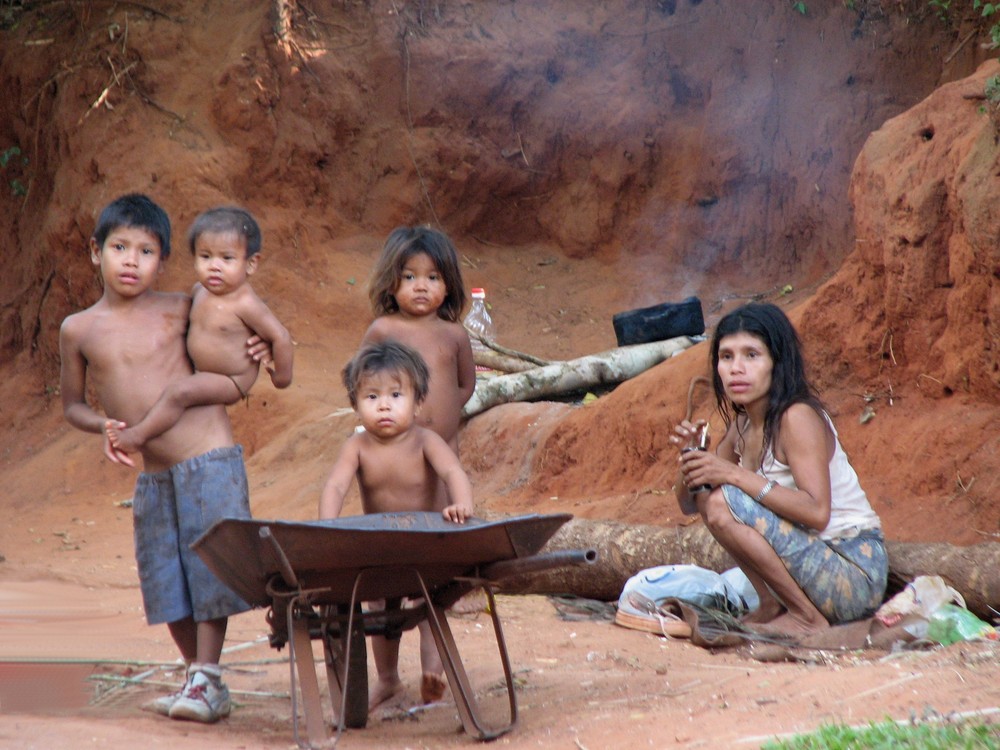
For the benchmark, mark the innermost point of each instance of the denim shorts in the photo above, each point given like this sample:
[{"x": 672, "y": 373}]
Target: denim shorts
[
  {"x": 844, "y": 578},
  {"x": 170, "y": 510}
]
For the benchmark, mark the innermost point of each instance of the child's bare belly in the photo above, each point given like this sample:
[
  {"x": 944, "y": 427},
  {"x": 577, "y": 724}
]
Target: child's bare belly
[
  {"x": 221, "y": 352},
  {"x": 440, "y": 414},
  {"x": 224, "y": 363},
  {"x": 414, "y": 496}
]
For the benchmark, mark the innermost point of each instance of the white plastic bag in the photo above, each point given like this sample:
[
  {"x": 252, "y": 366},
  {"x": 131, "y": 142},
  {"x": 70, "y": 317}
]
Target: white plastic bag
[{"x": 914, "y": 606}]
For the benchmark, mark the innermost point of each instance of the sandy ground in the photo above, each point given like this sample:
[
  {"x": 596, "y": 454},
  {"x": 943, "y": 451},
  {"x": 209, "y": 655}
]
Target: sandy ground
[{"x": 588, "y": 683}]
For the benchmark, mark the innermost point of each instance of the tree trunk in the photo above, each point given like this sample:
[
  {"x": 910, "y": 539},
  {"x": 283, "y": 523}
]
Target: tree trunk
[
  {"x": 559, "y": 378},
  {"x": 623, "y": 550}
]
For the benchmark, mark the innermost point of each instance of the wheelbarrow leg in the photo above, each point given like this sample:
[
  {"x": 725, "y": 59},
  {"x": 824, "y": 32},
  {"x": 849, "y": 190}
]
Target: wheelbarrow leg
[
  {"x": 458, "y": 679},
  {"x": 350, "y": 643},
  {"x": 308, "y": 684}
]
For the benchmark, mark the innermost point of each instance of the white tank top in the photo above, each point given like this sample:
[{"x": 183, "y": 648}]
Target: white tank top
[{"x": 850, "y": 511}]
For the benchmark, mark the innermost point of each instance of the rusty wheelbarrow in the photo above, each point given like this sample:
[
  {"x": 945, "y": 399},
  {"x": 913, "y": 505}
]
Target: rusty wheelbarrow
[{"x": 314, "y": 576}]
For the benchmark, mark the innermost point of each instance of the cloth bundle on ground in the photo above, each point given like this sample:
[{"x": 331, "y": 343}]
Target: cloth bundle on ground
[{"x": 651, "y": 599}]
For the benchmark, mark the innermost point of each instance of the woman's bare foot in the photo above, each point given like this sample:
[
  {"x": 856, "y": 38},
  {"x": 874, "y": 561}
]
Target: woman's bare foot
[
  {"x": 789, "y": 624},
  {"x": 383, "y": 691},
  {"x": 763, "y": 614},
  {"x": 431, "y": 688}
]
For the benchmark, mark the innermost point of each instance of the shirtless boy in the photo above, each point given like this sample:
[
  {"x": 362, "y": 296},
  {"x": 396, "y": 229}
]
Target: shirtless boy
[
  {"x": 130, "y": 346},
  {"x": 397, "y": 464},
  {"x": 225, "y": 312}
]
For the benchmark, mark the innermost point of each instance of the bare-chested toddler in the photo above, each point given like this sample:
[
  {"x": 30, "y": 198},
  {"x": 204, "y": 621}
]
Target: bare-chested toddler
[
  {"x": 397, "y": 464},
  {"x": 225, "y": 312}
]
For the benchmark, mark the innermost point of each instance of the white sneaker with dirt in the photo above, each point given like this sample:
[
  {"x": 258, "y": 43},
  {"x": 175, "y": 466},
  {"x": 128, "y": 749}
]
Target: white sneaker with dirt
[
  {"x": 164, "y": 703},
  {"x": 205, "y": 698}
]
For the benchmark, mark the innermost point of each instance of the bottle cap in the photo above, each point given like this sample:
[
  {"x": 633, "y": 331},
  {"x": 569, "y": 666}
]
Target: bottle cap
[{"x": 478, "y": 292}]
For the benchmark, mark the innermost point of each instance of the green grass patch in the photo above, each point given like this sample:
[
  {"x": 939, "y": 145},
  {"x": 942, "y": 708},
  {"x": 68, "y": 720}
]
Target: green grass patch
[{"x": 890, "y": 735}]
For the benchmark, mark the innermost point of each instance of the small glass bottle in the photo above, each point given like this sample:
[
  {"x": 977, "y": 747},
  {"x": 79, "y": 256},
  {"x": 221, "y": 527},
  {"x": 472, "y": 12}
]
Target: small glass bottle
[{"x": 479, "y": 323}]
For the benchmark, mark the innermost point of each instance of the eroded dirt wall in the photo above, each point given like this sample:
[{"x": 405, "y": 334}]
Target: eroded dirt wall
[{"x": 679, "y": 141}]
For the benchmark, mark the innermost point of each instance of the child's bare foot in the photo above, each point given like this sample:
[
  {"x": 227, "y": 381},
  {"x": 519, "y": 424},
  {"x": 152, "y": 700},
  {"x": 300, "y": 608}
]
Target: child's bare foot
[
  {"x": 382, "y": 691},
  {"x": 431, "y": 688},
  {"x": 112, "y": 453},
  {"x": 123, "y": 438}
]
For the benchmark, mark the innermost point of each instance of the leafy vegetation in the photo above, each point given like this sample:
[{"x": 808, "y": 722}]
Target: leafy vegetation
[
  {"x": 984, "y": 19},
  {"x": 986, "y": 16},
  {"x": 890, "y": 735}
]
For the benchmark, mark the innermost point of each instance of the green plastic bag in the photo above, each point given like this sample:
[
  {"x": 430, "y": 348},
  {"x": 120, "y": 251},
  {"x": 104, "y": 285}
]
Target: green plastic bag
[{"x": 950, "y": 623}]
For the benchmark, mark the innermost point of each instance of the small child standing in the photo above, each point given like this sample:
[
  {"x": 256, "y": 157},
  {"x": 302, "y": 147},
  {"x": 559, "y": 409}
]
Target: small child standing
[
  {"x": 417, "y": 296},
  {"x": 225, "y": 312},
  {"x": 397, "y": 464},
  {"x": 130, "y": 346}
]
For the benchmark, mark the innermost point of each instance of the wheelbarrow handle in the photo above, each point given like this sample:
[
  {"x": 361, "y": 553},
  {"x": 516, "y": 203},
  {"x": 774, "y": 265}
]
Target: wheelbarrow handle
[
  {"x": 535, "y": 563},
  {"x": 279, "y": 557}
]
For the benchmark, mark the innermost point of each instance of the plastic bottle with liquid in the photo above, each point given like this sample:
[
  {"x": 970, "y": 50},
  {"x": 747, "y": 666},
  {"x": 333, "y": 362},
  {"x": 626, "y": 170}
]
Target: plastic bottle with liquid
[{"x": 478, "y": 322}]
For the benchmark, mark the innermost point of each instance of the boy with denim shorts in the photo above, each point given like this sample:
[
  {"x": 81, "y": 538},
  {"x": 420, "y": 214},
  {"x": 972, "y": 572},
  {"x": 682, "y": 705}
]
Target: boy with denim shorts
[{"x": 130, "y": 345}]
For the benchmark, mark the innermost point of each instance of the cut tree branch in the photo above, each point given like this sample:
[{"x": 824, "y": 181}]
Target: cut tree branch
[
  {"x": 560, "y": 378},
  {"x": 510, "y": 352},
  {"x": 501, "y": 362}
]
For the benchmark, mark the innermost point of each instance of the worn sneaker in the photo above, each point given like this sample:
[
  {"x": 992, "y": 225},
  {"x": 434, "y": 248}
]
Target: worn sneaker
[
  {"x": 205, "y": 698},
  {"x": 164, "y": 703}
]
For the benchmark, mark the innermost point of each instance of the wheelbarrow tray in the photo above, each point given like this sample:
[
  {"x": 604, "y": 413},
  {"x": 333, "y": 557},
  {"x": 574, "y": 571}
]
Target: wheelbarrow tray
[
  {"x": 330, "y": 554},
  {"x": 314, "y": 575}
]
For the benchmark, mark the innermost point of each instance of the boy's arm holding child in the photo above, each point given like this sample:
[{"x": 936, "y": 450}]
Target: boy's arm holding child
[
  {"x": 258, "y": 317},
  {"x": 447, "y": 466},
  {"x": 73, "y": 385},
  {"x": 331, "y": 500}
]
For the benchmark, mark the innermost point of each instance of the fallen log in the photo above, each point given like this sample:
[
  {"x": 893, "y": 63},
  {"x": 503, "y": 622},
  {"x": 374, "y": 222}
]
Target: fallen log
[
  {"x": 558, "y": 378},
  {"x": 623, "y": 550},
  {"x": 502, "y": 362}
]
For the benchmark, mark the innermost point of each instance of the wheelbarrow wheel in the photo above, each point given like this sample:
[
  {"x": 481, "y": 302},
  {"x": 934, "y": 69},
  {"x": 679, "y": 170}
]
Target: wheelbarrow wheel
[{"x": 355, "y": 670}]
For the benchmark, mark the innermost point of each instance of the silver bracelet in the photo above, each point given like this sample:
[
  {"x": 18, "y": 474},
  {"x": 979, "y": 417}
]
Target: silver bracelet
[{"x": 766, "y": 488}]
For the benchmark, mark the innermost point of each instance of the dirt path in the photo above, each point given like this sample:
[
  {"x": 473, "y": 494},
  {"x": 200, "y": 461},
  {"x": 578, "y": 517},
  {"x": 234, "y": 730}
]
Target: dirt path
[{"x": 585, "y": 684}]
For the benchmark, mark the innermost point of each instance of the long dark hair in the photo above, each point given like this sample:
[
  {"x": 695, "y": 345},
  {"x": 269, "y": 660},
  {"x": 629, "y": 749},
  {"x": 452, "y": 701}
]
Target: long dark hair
[
  {"x": 402, "y": 244},
  {"x": 789, "y": 384}
]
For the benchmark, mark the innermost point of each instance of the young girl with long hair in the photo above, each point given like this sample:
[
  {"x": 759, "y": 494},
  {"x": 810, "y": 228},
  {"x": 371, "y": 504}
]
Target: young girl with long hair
[
  {"x": 417, "y": 296},
  {"x": 783, "y": 499}
]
